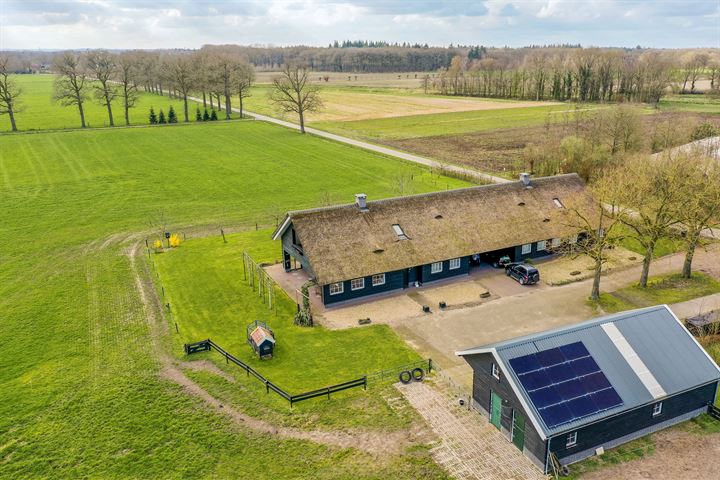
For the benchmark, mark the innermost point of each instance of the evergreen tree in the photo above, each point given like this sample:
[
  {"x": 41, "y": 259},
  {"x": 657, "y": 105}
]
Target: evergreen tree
[
  {"x": 172, "y": 118},
  {"x": 213, "y": 115},
  {"x": 161, "y": 117},
  {"x": 206, "y": 116},
  {"x": 198, "y": 115},
  {"x": 153, "y": 117}
]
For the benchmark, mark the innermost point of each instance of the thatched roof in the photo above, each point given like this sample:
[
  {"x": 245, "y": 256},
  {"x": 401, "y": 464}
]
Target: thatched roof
[{"x": 344, "y": 242}]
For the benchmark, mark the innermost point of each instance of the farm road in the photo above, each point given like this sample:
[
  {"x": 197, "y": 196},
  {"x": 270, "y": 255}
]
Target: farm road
[{"x": 375, "y": 148}]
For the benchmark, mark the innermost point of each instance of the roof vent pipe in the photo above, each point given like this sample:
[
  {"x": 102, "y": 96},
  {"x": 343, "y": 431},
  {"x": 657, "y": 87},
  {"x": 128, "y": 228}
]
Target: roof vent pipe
[
  {"x": 361, "y": 201},
  {"x": 525, "y": 179}
]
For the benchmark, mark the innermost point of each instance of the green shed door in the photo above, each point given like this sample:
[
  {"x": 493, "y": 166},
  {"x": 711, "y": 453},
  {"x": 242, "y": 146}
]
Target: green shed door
[
  {"x": 518, "y": 429},
  {"x": 495, "y": 409}
]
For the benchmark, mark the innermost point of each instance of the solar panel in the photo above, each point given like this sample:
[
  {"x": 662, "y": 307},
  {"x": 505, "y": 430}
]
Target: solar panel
[
  {"x": 565, "y": 383},
  {"x": 525, "y": 364}
]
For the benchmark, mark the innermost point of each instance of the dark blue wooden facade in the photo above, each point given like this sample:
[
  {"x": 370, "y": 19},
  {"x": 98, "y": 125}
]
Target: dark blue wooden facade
[{"x": 292, "y": 251}]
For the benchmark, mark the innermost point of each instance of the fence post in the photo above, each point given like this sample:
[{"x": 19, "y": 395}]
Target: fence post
[
  {"x": 267, "y": 387},
  {"x": 429, "y": 365},
  {"x": 365, "y": 382},
  {"x": 328, "y": 392}
]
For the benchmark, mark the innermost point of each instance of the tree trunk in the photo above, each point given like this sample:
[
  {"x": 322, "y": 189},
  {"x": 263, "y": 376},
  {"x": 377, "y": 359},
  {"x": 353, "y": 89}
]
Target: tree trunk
[
  {"x": 109, "y": 109},
  {"x": 302, "y": 121},
  {"x": 689, "y": 253},
  {"x": 241, "y": 106},
  {"x": 11, "y": 114},
  {"x": 204, "y": 101},
  {"x": 646, "y": 268},
  {"x": 82, "y": 115},
  {"x": 185, "y": 104},
  {"x": 228, "y": 107},
  {"x": 595, "y": 294},
  {"x": 127, "y": 113}
]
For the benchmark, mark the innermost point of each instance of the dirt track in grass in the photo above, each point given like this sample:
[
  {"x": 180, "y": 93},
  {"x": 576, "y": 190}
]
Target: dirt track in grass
[{"x": 378, "y": 443}]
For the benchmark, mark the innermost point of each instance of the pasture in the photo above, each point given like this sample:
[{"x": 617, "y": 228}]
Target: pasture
[
  {"x": 82, "y": 390},
  {"x": 40, "y": 112}
]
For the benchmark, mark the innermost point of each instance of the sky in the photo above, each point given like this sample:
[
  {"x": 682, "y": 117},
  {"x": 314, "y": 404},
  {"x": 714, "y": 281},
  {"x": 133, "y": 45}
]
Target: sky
[{"x": 121, "y": 24}]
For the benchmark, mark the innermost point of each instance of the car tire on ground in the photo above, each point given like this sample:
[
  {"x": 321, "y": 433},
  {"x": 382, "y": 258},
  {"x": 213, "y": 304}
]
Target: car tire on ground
[
  {"x": 405, "y": 376},
  {"x": 418, "y": 374}
]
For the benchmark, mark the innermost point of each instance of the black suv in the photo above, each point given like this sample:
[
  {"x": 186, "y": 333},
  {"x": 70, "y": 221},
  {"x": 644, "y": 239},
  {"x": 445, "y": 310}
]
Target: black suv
[{"x": 522, "y": 272}]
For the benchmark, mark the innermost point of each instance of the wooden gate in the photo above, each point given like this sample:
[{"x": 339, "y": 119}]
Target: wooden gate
[{"x": 518, "y": 430}]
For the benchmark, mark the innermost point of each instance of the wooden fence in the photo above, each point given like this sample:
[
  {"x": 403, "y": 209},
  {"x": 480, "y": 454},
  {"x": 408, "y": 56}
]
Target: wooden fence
[
  {"x": 259, "y": 280},
  {"x": 714, "y": 412},
  {"x": 207, "y": 345}
]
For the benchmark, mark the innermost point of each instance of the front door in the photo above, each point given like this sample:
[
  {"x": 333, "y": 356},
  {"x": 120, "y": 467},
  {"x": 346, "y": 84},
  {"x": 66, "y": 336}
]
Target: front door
[
  {"x": 419, "y": 274},
  {"x": 406, "y": 277},
  {"x": 518, "y": 429},
  {"x": 495, "y": 409}
]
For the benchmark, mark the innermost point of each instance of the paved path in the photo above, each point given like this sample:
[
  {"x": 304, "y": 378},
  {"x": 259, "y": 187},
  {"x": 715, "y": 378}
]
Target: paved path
[
  {"x": 440, "y": 334},
  {"x": 470, "y": 447},
  {"x": 374, "y": 148}
]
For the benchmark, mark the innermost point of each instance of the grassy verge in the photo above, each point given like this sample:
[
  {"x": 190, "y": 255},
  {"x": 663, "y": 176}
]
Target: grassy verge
[
  {"x": 622, "y": 454},
  {"x": 664, "y": 246},
  {"x": 690, "y": 103},
  {"x": 663, "y": 289}
]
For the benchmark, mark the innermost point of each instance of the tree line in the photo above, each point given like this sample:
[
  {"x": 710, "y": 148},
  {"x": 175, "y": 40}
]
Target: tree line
[
  {"x": 579, "y": 74},
  {"x": 106, "y": 77}
]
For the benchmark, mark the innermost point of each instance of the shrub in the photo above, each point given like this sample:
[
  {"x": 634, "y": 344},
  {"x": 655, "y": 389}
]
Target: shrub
[
  {"x": 198, "y": 115},
  {"x": 161, "y": 117},
  {"x": 172, "y": 117},
  {"x": 303, "y": 318},
  {"x": 213, "y": 115},
  {"x": 153, "y": 117},
  {"x": 206, "y": 116},
  {"x": 157, "y": 245},
  {"x": 704, "y": 130},
  {"x": 175, "y": 240}
]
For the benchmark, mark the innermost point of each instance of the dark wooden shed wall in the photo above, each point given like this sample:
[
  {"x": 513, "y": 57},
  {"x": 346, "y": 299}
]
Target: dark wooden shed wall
[
  {"x": 484, "y": 382},
  {"x": 594, "y": 435}
]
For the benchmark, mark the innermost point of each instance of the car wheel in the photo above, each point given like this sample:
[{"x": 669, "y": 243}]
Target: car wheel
[{"x": 507, "y": 272}]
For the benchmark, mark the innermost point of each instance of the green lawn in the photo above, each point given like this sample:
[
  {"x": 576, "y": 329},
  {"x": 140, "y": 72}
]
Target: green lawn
[
  {"x": 415, "y": 126},
  {"x": 664, "y": 246},
  {"x": 663, "y": 289},
  {"x": 80, "y": 390},
  {"x": 690, "y": 103},
  {"x": 203, "y": 280},
  {"x": 40, "y": 112}
]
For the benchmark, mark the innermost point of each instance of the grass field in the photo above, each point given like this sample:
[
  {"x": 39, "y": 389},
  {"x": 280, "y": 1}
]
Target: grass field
[
  {"x": 80, "y": 391},
  {"x": 40, "y": 112},
  {"x": 691, "y": 103}
]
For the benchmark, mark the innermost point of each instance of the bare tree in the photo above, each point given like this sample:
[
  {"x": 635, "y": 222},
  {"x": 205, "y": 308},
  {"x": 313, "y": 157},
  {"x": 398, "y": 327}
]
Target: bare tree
[
  {"x": 179, "y": 69},
  {"x": 653, "y": 192},
  {"x": 102, "y": 66},
  {"x": 293, "y": 92},
  {"x": 127, "y": 75},
  {"x": 71, "y": 83},
  {"x": 243, "y": 83},
  {"x": 9, "y": 92},
  {"x": 700, "y": 212},
  {"x": 597, "y": 217},
  {"x": 225, "y": 66}
]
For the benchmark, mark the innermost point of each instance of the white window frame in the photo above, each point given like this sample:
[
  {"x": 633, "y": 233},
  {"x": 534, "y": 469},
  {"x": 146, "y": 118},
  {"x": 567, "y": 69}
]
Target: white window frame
[
  {"x": 558, "y": 203},
  {"x": 527, "y": 248},
  {"x": 455, "y": 263},
  {"x": 571, "y": 440},
  {"x": 436, "y": 267},
  {"x": 495, "y": 371},
  {"x": 333, "y": 288},
  {"x": 555, "y": 242},
  {"x": 353, "y": 286},
  {"x": 378, "y": 279},
  {"x": 542, "y": 245},
  {"x": 573, "y": 239},
  {"x": 657, "y": 409}
]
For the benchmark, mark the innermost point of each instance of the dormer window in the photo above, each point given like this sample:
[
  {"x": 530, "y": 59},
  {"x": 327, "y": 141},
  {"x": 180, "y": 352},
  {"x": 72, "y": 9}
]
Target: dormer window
[
  {"x": 558, "y": 203},
  {"x": 399, "y": 232}
]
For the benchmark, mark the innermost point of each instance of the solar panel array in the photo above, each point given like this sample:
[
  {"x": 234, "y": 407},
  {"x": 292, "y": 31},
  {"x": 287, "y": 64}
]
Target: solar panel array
[{"x": 565, "y": 383}]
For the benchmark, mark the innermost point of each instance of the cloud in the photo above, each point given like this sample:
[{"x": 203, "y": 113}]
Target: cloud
[{"x": 191, "y": 23}]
